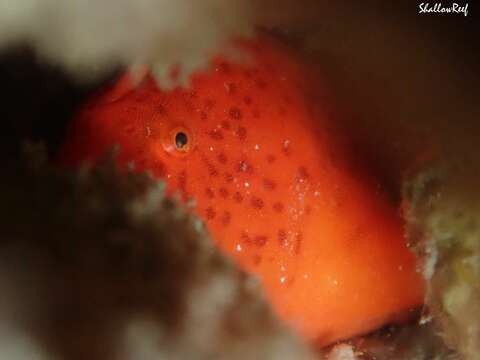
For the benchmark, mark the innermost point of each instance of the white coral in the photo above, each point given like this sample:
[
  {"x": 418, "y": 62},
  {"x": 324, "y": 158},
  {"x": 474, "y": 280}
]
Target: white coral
[{"x": 90, "y": 37}]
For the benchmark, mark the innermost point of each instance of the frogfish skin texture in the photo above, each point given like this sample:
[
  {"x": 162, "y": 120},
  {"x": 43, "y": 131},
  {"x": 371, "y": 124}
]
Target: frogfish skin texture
[{"x": 277, "y": 187}]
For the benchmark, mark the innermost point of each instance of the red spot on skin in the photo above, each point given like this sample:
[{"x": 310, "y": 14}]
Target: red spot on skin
[
  {"x": 223, "y": 192},
  {"x": 241, "y": 133},
  {"x": 224, "y": 67},
  {"x": 188, "y": 104},
  {"x": 209, "y": 104},
  {"x": 209, "y": 192},
  {"x": 269, "y": 184},
  {"x": 292, "y": 244},
  {"x": 203, "y": 115},
  {"x": 282, "y": 237},
  {"x": 287, "y": 99},
  {"x": 256, "y": 260},
  {"x": 278, "y": 207},
  {"x": 247, "y": 100},
  {"x": 226, "y": 218},
  {"x": 210, "y": 213},
  {"x": 182, "y": 182},
  {"x": 244, "y": 167},
  {"x": 256, "y": 203},
  {"x": 271, "y": 158},
  {"x": 286, "y": 147},
  {"x": 228, "y": 177},
  {"x": 222, "y": 158},
  {"x": 238, "y": 197},
  {"x": 231, "y": 88},
  {"x": 225, "y": 125},
  {"x": 212, "y": 170},
  {"x": 256, "y": 114},
  {"x": 235, "y": 113},
  {"x": 302, "y": 173},
  {"x": 250, "y": 73},
  {"x": 261, "y": 84},
  {"x": 159, "y": 170},
  {"x": 260, "y": 240},
  {"x": 298, "y": 243},
  {"x": 245, "y": 237},
  {"x": 308, "y": 210},
  {"x": 269, "y": 67},
  {"x": 161, "y": 110},
  {"x": 216, "y": 134}
]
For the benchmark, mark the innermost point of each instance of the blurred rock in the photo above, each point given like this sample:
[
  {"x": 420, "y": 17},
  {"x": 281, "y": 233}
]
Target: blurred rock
[{"x": 100, "y": 265}]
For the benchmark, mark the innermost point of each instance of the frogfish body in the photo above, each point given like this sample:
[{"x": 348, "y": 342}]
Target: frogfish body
[{"x": 273, "y": 181}]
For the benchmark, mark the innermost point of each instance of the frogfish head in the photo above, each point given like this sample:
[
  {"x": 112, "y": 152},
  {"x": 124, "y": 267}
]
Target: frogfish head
[{"x": 257, "y": 150}]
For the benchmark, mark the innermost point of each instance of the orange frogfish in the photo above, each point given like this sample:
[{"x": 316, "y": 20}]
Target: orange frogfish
[{"x": 254, "y": 144}]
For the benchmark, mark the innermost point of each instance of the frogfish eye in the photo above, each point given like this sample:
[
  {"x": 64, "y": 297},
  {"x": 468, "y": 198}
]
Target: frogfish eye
[
  {"x": 178, "y": 141},
  {"x": 181, "y": 140}
]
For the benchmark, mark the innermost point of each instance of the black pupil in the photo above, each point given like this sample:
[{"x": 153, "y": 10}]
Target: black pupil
[{"x": 181, "y": 140}]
